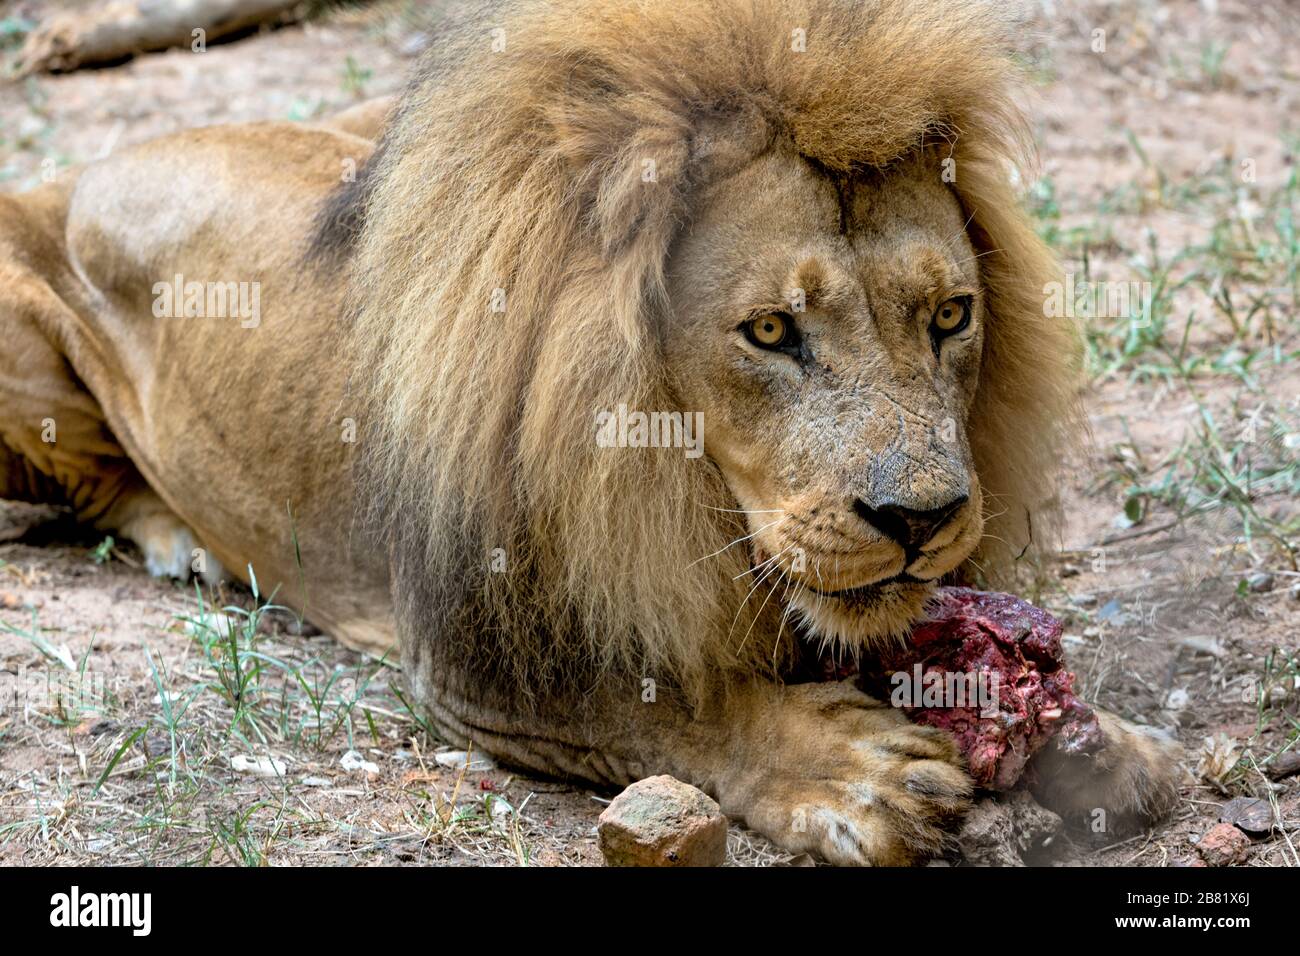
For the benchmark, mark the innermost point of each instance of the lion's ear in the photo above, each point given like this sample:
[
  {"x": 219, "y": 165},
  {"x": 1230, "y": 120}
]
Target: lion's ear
[
  {"x": 635, "y": 158},
  {"x": 623, "y": 155}
]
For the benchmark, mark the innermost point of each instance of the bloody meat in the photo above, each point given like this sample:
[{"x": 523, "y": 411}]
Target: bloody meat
[{"x": 1029, "y": 698}]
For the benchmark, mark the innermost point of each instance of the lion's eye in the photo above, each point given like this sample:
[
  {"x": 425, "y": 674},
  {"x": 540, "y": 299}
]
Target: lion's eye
[
  {"x": 772, "y": 331},
  {"x": 951, "y": 317}
]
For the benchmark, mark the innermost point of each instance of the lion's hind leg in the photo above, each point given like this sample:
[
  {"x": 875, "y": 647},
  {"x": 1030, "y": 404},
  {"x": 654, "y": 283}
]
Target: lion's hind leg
[
  {"x": 56, "y": 446},
  {"x": 170, "y": 547}
]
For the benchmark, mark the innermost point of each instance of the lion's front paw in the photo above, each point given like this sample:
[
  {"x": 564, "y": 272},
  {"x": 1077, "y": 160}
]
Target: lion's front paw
[
  {"x": 853, "y": 781},
  {"x": 1127, "y": 785}
]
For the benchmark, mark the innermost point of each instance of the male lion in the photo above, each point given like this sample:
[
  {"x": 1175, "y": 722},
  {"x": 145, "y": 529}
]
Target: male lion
[{"x": 791, "y": 217}]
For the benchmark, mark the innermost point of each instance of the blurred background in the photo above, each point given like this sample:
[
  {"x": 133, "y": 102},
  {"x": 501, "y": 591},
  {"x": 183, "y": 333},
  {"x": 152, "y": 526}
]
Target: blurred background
[{"x": 1168, "y": 134}]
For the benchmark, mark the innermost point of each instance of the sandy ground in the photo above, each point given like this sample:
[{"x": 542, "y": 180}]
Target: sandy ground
[{"x": 119, "y": 731}]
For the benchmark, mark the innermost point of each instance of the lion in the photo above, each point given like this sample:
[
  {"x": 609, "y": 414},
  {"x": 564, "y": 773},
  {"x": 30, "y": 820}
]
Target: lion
[{"x": 781, "y": 232}]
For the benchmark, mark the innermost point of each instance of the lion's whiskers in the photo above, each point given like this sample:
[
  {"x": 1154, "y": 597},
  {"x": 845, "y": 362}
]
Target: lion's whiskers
[
  {"x": 992, "y": 516},
  {"x": 750, "y": 594},
  {"x": 754, "y": 620},
  {"x": 762, "y": 564},
  {"x": 979, "y": 567},
  {"x": 785, "y": 616},
  {"x": 735, "y": 542},
  {"x": 746, "y": 511}
]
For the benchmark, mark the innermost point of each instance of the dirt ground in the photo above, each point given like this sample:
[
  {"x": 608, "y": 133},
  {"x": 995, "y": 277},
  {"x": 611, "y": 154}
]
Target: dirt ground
[{"x": 138, "y": 725}]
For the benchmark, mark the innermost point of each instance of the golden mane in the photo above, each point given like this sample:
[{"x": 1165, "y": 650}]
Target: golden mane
[{"x": 510, "y": 269}]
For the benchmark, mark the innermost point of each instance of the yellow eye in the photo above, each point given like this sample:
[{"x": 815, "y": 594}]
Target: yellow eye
[
  {"x": 951, "y": 315},
  {"x": 769, "y": 330}
]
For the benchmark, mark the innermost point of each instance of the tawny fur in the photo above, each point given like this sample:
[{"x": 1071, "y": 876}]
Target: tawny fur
[{"x": 515, "y": 177}]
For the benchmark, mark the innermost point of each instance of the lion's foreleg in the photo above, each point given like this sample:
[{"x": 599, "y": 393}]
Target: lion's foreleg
[{"x": 816, "y": 768}]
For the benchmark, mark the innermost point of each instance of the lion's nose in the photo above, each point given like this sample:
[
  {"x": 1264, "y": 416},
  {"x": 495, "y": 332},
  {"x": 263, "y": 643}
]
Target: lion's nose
[{"x": 910, "y": 527}]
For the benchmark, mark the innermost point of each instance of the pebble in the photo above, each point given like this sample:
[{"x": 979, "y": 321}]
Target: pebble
[
  {"x": 462, "y": 760},
  {"x": 352, "y": 760},
  {"x": 1259, "y": 582},
  {"x": 1178, "y": 699},
  {"x": 258, "y": 766}
]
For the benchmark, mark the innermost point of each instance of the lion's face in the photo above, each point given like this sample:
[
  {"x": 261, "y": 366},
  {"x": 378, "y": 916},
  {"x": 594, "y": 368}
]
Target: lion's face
[{"x": 831, "y": 336}]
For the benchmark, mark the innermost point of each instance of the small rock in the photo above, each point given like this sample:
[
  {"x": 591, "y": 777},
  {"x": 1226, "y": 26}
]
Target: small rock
[
  {"x": 661, "y": 821},
  {"x": 462, "y": 760},
  {"x": 1286, "y": 765},
  {"x": 1004, "y": 830},
  {"x": 1251, "y": 814},
  {"x": 10, "y": 601},
  {"x": 1295, "y": 592},
  {"x": 1178, "y": 699},
  {"x": 1224, "y": 845},
  {"x": 1259, "y": 582},
  {"x": 258, "y": 766},
  {"x": 1084, "y": 599},
  {"x": 352, "y": 760},
  {"x": 316, "y": 782}
]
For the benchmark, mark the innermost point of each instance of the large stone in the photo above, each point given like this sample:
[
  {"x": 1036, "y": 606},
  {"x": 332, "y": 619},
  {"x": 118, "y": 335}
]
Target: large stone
[
  {"x": 660, "y": 821},
  {"x": 1224, "y": 845}
]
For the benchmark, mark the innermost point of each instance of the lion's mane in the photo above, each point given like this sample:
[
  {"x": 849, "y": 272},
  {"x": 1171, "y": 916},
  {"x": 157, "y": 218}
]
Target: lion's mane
[{"x": 511, "y": 178}]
